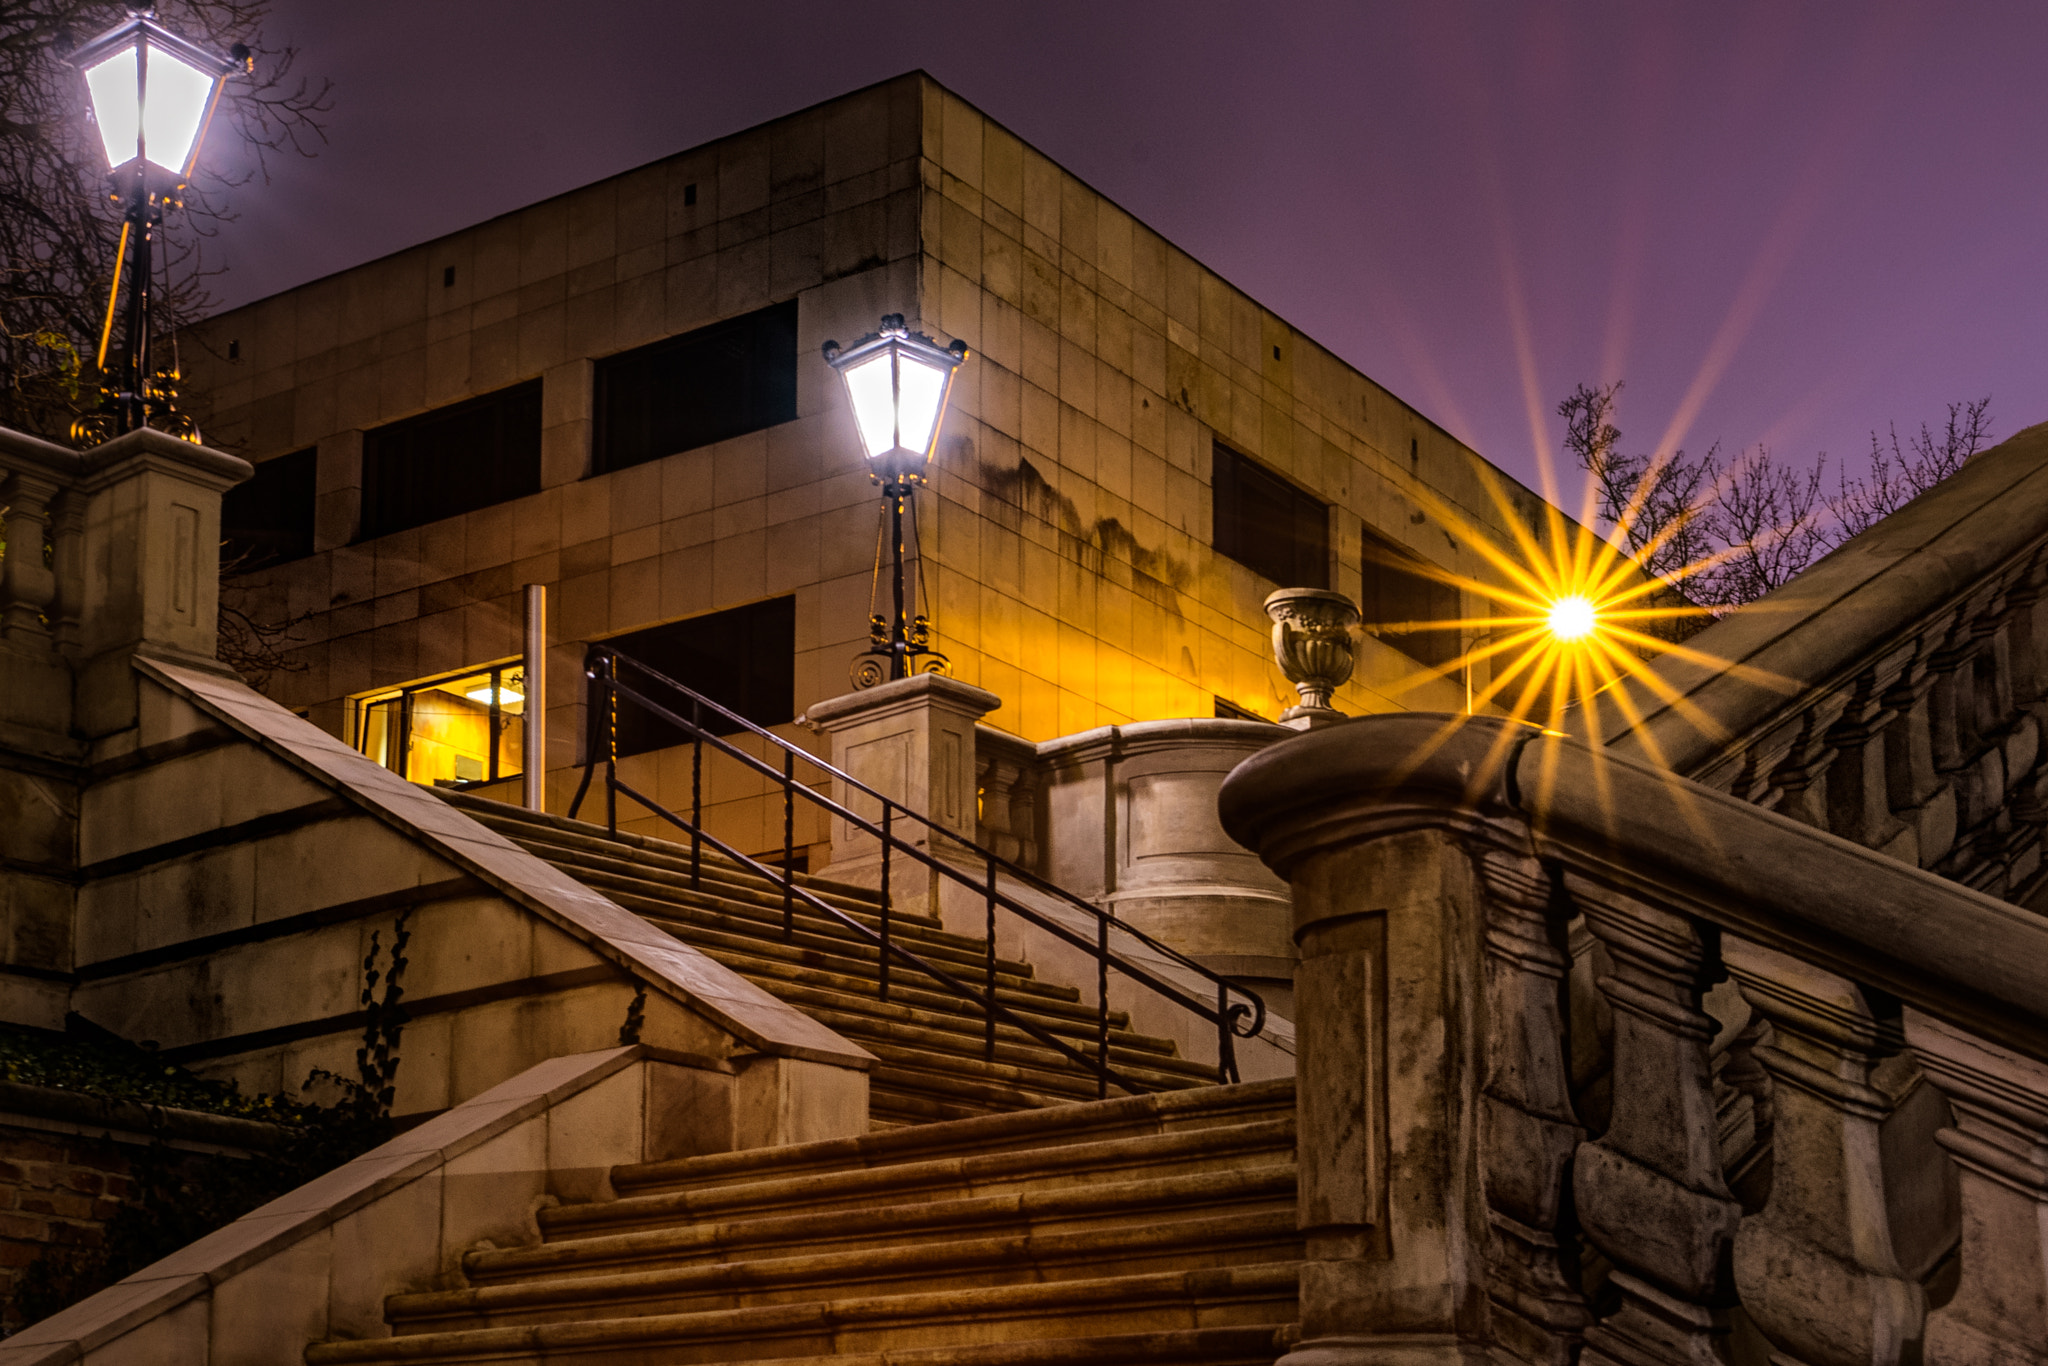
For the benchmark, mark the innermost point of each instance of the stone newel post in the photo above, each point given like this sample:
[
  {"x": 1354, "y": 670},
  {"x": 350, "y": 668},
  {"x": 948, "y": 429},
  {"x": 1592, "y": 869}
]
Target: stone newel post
[{"x": 912, "y": 740}]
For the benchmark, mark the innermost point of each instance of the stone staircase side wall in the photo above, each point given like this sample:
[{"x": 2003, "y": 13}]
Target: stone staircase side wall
[
  {"x": 241, "y": 866},
  {"x": 317, "y": 1263}
]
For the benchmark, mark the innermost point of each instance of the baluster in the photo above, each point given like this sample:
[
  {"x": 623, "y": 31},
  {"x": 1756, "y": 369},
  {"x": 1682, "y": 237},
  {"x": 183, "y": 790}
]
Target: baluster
[
  {"x": 1816, "y": 1269},
  {"x": 696, "y": 794},
  {"x": 1650, "y": 1192},
  {"x": 1102, "y": 1006},
  {"x": 1857, "y": 808},
  {"x": 788, "y": 846},
  {"x": 1528, "y": 1129},
  {"x": 27, "y": 587},
  {"x": 990, "y": 1013},
  {"x": 1999, "y": 1144},
  {"x": 888, "y": 839}
]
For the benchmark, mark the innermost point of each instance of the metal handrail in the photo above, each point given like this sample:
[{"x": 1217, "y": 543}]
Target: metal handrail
[{"x": 1233, "y": 1019}]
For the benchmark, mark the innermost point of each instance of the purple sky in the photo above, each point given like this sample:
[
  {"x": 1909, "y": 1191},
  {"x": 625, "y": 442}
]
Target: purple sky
[{"x": 1785, "y": 223}]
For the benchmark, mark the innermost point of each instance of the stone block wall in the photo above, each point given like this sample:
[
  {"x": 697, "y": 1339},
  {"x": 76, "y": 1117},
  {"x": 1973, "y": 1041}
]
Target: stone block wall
[{"x": 1065, "y": 537}]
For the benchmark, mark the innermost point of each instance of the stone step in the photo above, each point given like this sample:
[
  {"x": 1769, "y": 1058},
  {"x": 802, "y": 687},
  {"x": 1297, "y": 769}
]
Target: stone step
[
  {"x": 1167, "y": 1301},
  {"x": 577, "y": 837},
  {"x": 1044, "y": 1073},
  {"x": 661, "y": 1199},
  {"x": 1242, "y": 1189},
  {"x": 1014, "y": 1045},
  {"x": 931, "y": 1006},
  {"x": 933, "y": 1264},
  {"x": 1243, "y": 1103},
  {"x": 705, "y": 925}
]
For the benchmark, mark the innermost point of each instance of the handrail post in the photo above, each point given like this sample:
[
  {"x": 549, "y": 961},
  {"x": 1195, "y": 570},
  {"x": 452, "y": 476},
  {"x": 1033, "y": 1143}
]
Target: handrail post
[
  {"x": 611, "y": 746},
  {"x": 589, "y": 730},
  {"x": 788, "y": 846},
  {"x": 990, "y": 1012},
  {"x": 888, "y": 837},
  {"x": 696, "y": 794},
  {"x": 1102, "y": 1006}
]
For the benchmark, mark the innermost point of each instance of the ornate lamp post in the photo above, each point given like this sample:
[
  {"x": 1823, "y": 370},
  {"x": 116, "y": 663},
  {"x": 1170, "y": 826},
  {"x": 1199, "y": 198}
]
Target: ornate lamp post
[
  {"x": 153, "y": 94},
  {"x": 898, "y": 382}
]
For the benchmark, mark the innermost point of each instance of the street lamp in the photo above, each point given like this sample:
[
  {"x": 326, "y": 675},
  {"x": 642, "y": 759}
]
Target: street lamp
[
  {"x": 153, "y": 94},
  {"x": 898, "y": 382}
]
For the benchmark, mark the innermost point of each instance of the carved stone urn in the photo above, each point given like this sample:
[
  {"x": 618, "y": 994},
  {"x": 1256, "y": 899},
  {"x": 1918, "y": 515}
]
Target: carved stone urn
[{"x": 1315, "y": 642}]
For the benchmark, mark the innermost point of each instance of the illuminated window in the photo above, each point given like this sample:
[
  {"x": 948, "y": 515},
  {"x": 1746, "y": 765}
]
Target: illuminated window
[
  {"x": 460, "y": 731},
  {"x": 683, "y": 392},
  {"x": 1268, "y": 525},
  {"x": 1399, "y": 593}
]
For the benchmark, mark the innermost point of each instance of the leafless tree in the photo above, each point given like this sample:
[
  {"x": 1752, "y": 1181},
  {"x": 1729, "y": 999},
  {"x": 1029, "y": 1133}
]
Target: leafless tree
[
  {"x": 1720, "y": 534},
  {"x": 57, "y": 228}
]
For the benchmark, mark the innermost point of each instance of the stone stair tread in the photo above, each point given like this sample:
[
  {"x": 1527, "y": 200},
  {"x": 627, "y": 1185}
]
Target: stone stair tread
[
  {"x": 1012, "y": 1043},
  {"x": 937, "y": 1177},
  {"x": 734, "y": 1238},
  {"x": 938, "y": 1005},
  {"x": 1181, "y": 1299},
  {"x": 1124, "y": 1117},
  {"x": 1255, "y": 1237},
  {"x": 847, "y": 958},
  {"x": 588, "y": 834},
  {"x": 1042, "y": 1071}
]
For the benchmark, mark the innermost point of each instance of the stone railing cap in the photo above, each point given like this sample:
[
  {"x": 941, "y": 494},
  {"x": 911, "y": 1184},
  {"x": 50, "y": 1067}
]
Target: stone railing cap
[{"x": 1975, "y": 961}]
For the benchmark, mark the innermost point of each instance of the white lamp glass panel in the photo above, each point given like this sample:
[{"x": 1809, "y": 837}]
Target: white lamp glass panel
[
  {"x": 922, "y": 388},
  {"x": 112, "y": 86},
  {"x": 869, "y": 386},
  {"x": 173, "y": 108}
]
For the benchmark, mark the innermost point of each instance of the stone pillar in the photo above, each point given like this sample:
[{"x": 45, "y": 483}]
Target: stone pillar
[
  {"x": 152, "y": 565},
  {"x": 1388, "y": 996},
  {"x": 912, "y": 740}
]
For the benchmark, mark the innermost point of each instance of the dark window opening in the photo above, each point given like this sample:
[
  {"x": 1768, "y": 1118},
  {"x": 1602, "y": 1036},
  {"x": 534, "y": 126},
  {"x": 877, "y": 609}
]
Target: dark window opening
[
  {"x": 718, "y": 382},
  {"x": 452, "y": 460},
  {"x": 269, "y": 518},
  {"x": 235, "y": 350},
  {"x": 1227, "y": 710},
  {"x": 1268, "y": 525},
  {"x": 689, "y": 194},
  {"x": 1399, "y": 593},
  {"x": 447, "y": 277},
  {"x": 743, "y": 659}
]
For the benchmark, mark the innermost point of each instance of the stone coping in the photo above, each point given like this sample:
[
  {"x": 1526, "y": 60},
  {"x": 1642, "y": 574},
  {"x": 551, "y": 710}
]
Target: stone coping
[
  {"x": 1825, "y": 624},
  {"x": 1969, "y": 959},
  {"x": 129, "y": 1121},
  {"x": 1139, "y": 737},
  {"x": 696, "y": 981},
  {"x": 196, "y": 1269}
]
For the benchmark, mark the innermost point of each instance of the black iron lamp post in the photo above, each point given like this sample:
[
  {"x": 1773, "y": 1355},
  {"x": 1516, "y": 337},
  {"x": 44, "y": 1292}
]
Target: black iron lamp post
[
  {"x": 898, "y": 382},
  {"x": 153, "y": 94}
]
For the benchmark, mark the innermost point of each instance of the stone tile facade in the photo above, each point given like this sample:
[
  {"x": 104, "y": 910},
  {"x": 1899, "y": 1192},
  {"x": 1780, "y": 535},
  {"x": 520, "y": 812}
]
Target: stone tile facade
[{"x": 1066, "y": 535}]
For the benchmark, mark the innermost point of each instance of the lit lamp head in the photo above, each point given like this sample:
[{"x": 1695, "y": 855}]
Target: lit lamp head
[
  {"x": 1572, "y": 618},
  {"x": 898, "y": 382},
  {"x": 152, "y": 95}
]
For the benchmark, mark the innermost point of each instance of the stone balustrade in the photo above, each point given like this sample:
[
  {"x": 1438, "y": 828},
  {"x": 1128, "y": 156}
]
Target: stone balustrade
[
  {"x": 1459, "y": 1196},
  {"x": 1895, "y": 693}
]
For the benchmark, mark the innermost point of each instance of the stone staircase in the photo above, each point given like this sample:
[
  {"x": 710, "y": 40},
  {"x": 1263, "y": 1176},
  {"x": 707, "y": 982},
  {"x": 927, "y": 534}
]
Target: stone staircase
[
  {"x": 1156, "y": 1228},
  {"x": 930, "y": 1043}
]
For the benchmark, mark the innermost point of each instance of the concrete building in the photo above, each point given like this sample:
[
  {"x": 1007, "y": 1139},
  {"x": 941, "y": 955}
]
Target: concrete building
[
  {"x": 1718, "y": 1037},
  {"x": 618, "y": 393}
]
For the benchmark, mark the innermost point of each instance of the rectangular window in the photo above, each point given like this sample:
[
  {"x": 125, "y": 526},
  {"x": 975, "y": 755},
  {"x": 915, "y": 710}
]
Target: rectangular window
[
  {"x": 1399, "y": 593},
  {"x": 453, "y": 460},
  {"x": 743, "y": 659},
  {"x": 269, "y": 518},
  {"x": 1268, "y": 525},
  {"x": 463, "y": 730},
  {"x": 683, "y": 392}
]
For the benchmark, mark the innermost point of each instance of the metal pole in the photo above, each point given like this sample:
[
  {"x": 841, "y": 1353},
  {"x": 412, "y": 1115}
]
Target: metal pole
[
  {"x": 899, "y": 626},
  {"x": 135, "y": 403},
  {"x": 534, "y": 763}
]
